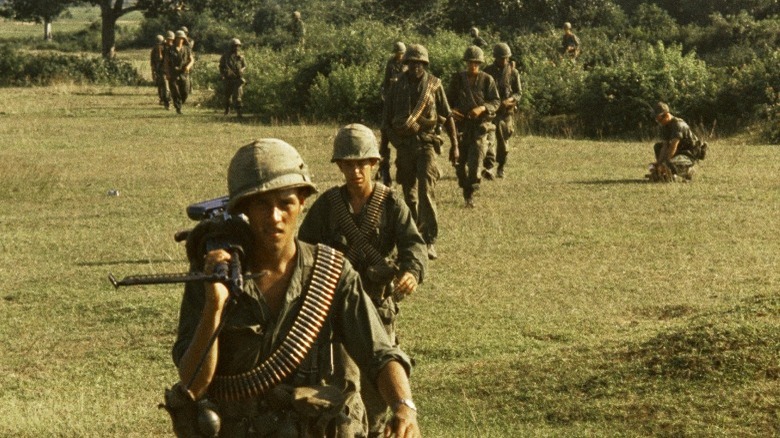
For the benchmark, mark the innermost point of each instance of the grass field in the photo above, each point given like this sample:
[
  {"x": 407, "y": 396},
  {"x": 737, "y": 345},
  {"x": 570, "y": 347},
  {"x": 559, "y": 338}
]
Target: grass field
[{"x": 576, "y": 300}]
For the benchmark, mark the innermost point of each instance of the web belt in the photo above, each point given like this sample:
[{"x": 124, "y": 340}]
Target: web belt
[{"x": 288, "y": 356}]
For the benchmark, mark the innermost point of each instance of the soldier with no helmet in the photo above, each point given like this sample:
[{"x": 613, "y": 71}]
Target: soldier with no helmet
[
  {"x": 414, "y": 106},
  {"x": 231, "y": 68},
  {"x": 372, "y": 225},
  {"x": 475, "y": 100},
  {"x": 507, "y": 80},
  {"x": 271, "y": 372}
]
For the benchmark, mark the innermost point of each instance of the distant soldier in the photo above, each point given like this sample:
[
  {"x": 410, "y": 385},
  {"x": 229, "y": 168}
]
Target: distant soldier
[
  {"x": 178, "y": 63},
  {"x": 231, "y": 69},
  {"x": 508, "y": 83},
  {"x": 157, "y": 64},
  {"x": 298, "y": 30},
  {"x": 475, "y": 100},
  {"x": 477, "y": 40},
  {"x": 394, "y": 67},
  {"x": 190, "y": 41},
  {"x": 414, "y": 107},
  {"x": 679, "y": 149},
  {"x": 373, "y": 227},
  {"x": 570, "y": 44}
]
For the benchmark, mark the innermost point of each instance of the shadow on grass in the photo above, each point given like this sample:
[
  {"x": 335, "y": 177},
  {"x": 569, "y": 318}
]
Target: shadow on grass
[{"x": 607, "y": 182}]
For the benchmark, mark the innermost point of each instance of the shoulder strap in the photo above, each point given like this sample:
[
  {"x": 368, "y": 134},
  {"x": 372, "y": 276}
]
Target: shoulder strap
[
  {"x": 328, "y": 264},
  {"x": 356, "y": 237}
]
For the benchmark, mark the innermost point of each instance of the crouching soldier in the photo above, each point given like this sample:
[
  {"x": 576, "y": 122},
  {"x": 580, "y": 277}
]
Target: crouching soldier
[{"x": 678, "y": 151}]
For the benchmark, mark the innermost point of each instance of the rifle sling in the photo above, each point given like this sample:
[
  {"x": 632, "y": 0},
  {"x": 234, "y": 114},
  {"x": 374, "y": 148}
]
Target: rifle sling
[
  {"x": 356, "y": 237},
  {"x": 288, "y": 356}
]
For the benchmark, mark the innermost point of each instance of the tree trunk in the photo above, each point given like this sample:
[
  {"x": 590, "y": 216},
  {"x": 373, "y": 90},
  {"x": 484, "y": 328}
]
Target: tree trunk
[
  {"x": 47, "y": 30},
  {"x": 108, "y": 31}
]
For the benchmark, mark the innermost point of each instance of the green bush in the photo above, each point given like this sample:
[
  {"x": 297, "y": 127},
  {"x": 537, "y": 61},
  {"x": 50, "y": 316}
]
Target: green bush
[
  {"x": 47, "y": 68},
  {"x": 347, "y": 94},
  {"x": 746, "y": 91}
]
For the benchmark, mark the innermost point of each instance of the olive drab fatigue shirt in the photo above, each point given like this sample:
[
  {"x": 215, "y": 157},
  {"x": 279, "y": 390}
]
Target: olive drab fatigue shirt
[
  {"x": 465, "y": 96},
  {"x": 176, "y": 60},
  {"x": 402, "y": 99},
  {"x": 508, "y": 83}
]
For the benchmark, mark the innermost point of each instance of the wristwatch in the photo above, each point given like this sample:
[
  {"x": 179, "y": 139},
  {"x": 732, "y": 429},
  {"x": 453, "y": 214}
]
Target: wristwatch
[{"x": 405, "y": 401}]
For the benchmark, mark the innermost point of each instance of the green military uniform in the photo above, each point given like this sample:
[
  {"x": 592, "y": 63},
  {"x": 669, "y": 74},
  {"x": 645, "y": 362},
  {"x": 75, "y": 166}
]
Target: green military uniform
[
  {"x": 417, "y": 172},
  {"x": 466, "y": 94},
  {"x": 157, "y": 64},
  {"x": 231, "y": 67},
  {"x": 507, "y": 80},
  {"x": 570, "y": 44},
  {"x": 393, "y": 70},
  {"x": 396, "y": 238},
  {"x": 252, "y": 333},
  {"x": 176, "y": 59},
  {"x": 298, "y": 30}
]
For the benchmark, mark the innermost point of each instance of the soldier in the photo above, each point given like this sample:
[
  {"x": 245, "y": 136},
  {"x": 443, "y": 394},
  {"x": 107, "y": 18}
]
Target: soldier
[
  {"x": 157, "y": 64},
  {"x": 394, "y": 67},
  {"x": 178, "y": 63},
  {"x": 415, "y": 106},
  {"x": 477, "y": 40},
  {"x": 570, "y": 44},
  {"x": 679, "y": 149},
  {"x": 190, "y": 41},
  {"x": 475, "y": 100},
  {"x": 270, "y": 371},
  {"x": 231, "y": 68},
  {"x": 298, "y": 30},
  {"x": 372, "y": 225},
  {"x": 508, "y": 83}
]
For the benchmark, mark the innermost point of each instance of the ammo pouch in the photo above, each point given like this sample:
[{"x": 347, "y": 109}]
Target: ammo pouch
[
  {"x": 430, "y": 137},
  {"x": 190, "y": 418}
]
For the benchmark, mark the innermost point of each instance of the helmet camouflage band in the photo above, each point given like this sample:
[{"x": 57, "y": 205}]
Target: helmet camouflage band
[
  {"x": 399, "y": 47},
  {"x": 473, "y": 54},
  {"x": 355, "y": 142},
  {"x": 416, "y": 52},
  {"x": 501, "y": 50},
  {"x": 265, "y": 165}
]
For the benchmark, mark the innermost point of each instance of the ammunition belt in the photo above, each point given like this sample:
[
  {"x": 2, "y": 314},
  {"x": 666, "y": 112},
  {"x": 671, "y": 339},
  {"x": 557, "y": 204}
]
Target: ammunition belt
[
  {"x": 288, "y": 356},
  {"x": 426, "y": 98},
  {"x": 357, "y": 237}
]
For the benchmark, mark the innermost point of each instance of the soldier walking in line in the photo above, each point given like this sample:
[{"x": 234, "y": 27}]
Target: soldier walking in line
[
  {"x": 507, "y": 81},
  {"x": 373, "y": 227},
  {"x": 415, "y": 105},
  {"x": 394, "y": 67},
  {"x": 475, "y": 100},
  {"x": 157, "y": 64},
  {"x": 231, "y": 69},
  {"x": 178, "y": 63}
]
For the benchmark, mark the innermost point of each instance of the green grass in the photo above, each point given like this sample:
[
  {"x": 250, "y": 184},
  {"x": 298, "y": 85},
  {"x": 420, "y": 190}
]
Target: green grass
[{"x": 576, "y": 300}]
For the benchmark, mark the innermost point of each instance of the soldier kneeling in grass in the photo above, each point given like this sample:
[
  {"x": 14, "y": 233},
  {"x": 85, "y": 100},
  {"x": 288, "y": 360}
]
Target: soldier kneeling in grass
[{"x": 678, "y": 151}]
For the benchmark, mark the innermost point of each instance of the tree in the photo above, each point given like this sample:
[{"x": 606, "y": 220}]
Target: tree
[{"x": 40, "y": 11}]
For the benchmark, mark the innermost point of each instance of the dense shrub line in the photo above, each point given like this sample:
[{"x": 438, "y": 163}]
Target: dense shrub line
[{"x": 18, "y": 68}]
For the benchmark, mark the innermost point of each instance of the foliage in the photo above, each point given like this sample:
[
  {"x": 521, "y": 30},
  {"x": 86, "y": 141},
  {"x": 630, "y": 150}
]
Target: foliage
[
  {"x": 50, "y": 68},
  {"x": 35, "y": 10},
  {"x": 619, "y": 99},
  {"x": 747, "y": 91}
]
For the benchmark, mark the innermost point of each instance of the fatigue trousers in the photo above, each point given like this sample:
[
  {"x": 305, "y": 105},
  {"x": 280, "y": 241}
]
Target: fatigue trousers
[
  {"x": 234, "y": 90},
  {"x": 179, "y": 90},
  {"x": 417, "y": 173},
  {"x": 163, "y": 92},
  {"x": 472, "y": 148},
  {"x": 499, "y": 141}
]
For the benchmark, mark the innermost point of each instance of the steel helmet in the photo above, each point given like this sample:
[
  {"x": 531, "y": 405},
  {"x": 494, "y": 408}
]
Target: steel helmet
[
  {"x": 181, "y": 34},
  {"x": 235, "y": 42},
  {"x": 355, "y": 142},
  {"x": 170, "y": 35},
  {"x": 399, "y": 47},
  {"x": 159, "y": 39},
  {"x": 264, "y": 165},
  {"x": 474, "y": 32},
  {"x": 501, "y": 50},
  {"x": 473, "y": 54},
  {"x": 567, "y": 25},
  {"x": 416, "y": 52},
  {"x": 184, "y": 29}
]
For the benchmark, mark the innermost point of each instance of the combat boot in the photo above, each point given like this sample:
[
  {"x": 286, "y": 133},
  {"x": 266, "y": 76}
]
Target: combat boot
[
  {"x": 500, "y": 172},
  {"x": 227, "y": 109}
]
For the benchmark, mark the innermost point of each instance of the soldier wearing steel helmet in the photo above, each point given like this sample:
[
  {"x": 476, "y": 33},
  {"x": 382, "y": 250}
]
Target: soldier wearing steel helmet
[
  {"x": 270, "y": 338},
  {"x": 476, "y": 39},
  {"x": 414, "y": 106},
  {"x": 157, "y": 65},
  {"x": 388, "y": 252},
  {"x": 507, "y": 81},
  {"x": 231, "y": 69},
  {"x": 298, "y": 31},
  {"x": 475, "y": 99},
  {"x": 570, "y": 43},
  {"x": 394, "y": 67},
  {"x": 178, "y": 63}
]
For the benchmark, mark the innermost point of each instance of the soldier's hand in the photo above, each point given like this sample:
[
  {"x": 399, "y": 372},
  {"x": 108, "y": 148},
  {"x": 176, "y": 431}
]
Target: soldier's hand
[
  {"x": 476, "y": 112},
  {"x": 216, "y": 293},
  {"x": 403, "y": 424},
  {"x": 405, "y": 284},
  {"x": 508, "y": 103},
  {"x": 454, "y": 153}
]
